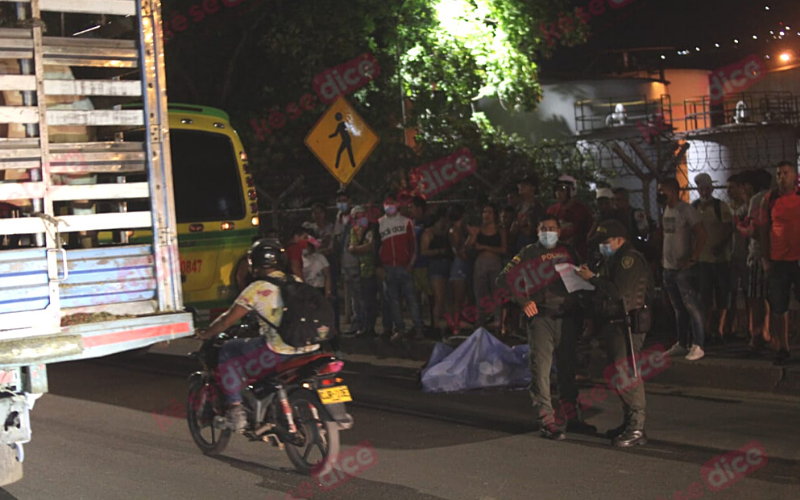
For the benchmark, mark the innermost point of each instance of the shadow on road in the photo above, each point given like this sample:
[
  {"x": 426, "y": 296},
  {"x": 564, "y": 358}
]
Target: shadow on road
[{"x": 292, "y": 484}]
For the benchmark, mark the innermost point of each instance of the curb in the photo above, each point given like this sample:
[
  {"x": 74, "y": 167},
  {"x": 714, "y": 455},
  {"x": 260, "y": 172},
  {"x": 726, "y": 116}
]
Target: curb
[{"x": 757, "y": 376}]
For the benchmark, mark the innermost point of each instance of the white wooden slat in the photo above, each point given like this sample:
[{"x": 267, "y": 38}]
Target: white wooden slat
[
  {"x": 19, "y": 153},
  {"x": 21, "y": 190},
  {"x": 19, "y": 164},
  {"x": 105, "y": 222},
  {"x": 89, "y": 147},
  {"x": 99, "y": 168},
  {"x": 114, "y": 7},
  {"x": 81, "y": 118},
  {"x": 96, "y": 222},
  {"x": 16, "y": 45},
  {"x": 18, "y": 156},
  {"x": 94, "y": 156},
  {"x": 17, "y": 82},
  {"x": 90, "y": 87},
  {"x": 100, "y": 191},
  {"x": 15, "y": 32},
  {"x": 19, "y": 114},
  {"x": 24, "y": 225}
]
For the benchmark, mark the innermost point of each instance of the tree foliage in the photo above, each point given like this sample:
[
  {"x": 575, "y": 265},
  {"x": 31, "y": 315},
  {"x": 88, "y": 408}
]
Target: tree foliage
[{"x": 254, "y": 58}]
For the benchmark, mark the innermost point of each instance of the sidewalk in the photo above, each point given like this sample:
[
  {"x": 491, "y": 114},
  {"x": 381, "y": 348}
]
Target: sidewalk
[{"x": 722, "y": 368}]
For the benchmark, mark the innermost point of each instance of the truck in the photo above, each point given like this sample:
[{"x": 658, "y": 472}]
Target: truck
[{"x": 64, "y": 294}]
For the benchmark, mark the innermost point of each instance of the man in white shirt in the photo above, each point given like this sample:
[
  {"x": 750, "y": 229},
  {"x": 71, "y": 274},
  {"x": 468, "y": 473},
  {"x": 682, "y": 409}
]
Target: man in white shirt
[
  {"x": 684, "y": 239},
  {"x": 266, "y": 258}
]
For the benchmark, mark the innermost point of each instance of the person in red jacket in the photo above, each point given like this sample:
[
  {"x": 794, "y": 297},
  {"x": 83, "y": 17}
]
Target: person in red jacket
[
  {"x": 575, "y": 217},
  {"x": 780, "y": 250},
  {"x": 398, "y": 253}
]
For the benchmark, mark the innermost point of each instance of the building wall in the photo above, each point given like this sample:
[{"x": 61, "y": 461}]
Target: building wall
[
  {"x": 779, "y": 81},
  {"x": 554, "y": 118},
  {"x": 684, "y": 84}
]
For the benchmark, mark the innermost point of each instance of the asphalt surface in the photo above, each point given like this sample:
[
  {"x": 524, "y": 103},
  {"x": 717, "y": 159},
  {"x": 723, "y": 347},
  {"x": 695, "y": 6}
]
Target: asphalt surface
[{"x": 111, "y": 429}]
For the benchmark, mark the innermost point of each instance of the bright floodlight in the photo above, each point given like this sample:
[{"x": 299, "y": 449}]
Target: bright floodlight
[{"x": 785, "y": 57}]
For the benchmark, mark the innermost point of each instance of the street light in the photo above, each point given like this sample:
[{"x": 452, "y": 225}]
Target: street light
[{"x": 785, "y": 57}]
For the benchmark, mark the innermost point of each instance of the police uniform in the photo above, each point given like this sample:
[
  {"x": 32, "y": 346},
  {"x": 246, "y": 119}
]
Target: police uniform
[
  {"x": 531, "y": 276},
  {"x": 623, "y": 284}
]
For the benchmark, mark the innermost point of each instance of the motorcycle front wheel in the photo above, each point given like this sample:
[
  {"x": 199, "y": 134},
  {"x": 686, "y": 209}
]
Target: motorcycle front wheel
[
  {"x": 319, "y": 438},
  {"x": 204, "y": 404}
]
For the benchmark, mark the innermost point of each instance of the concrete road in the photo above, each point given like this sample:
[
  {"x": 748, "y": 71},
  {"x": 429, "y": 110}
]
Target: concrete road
[{"x": 112, "y": 430}]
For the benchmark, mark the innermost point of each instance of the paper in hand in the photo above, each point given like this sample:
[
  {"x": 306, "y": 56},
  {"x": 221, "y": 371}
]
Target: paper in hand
[{"x": 571, "y": 280}]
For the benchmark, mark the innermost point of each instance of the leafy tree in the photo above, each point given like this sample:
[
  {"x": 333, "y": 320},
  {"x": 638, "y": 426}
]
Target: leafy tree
[{"x": 436, "y": 57}]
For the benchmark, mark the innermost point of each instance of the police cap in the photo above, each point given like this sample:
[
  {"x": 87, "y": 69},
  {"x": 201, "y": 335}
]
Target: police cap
[{"x": 611, "y": 228}]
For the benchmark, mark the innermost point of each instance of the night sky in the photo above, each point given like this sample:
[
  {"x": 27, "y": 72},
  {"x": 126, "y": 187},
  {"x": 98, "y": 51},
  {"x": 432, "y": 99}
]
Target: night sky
[{"x": 683, "y": 25}]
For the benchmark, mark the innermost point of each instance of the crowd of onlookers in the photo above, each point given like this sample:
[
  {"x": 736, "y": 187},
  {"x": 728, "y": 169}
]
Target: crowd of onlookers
[{"x": 705, "y": 254}]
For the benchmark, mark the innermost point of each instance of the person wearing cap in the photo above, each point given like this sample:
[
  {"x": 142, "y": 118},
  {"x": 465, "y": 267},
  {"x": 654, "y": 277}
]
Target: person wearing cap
[
  {"x": 638, "y": 224},
  {"x": 530, "y": 210},
  {"x": 605, "y": 203},
  {"x": 605, "y": 211},
  {"x": 623, "y": 290},
  {"x": 714, "y": 263},
  {"x": 576, "y": 218}
]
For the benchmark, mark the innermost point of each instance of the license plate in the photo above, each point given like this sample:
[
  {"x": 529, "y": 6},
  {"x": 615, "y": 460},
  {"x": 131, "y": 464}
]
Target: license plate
[{"x": 334, "y": 395}]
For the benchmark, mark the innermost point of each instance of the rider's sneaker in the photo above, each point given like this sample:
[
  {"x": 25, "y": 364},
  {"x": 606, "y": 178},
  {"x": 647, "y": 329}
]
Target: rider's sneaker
[{"x": 236, "y": 418}]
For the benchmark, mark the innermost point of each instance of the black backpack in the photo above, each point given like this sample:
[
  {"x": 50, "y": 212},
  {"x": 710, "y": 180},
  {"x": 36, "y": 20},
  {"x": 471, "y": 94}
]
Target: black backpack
[{"x": 308, "y": 317}]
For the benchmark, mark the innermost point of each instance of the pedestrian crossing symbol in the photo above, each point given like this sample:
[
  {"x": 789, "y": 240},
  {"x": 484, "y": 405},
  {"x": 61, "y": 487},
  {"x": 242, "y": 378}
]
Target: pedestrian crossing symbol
[{"x": 342, "y": 141}]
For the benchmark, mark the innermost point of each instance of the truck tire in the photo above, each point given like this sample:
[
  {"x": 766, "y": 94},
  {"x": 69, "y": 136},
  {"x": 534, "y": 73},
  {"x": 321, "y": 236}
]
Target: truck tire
[{"x": 10, "y": 469}]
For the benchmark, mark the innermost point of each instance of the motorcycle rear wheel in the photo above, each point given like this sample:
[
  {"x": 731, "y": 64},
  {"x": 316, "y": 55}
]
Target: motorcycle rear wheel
[
  {"x": 204, "y": 404},
  {"x": 320, "y": 436}
]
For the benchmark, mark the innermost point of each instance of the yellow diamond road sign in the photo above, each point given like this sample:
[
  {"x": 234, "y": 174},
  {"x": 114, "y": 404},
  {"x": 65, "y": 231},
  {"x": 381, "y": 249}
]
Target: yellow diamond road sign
[{"x": 342, "y": 140}]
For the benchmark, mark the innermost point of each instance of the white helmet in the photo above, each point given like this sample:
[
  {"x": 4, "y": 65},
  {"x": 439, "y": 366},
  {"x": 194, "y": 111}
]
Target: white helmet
[{"x": 570, "y": 182}]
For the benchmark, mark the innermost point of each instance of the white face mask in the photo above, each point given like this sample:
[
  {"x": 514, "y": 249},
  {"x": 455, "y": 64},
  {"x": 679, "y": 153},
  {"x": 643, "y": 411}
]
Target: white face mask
[{"x": 548, "y": 239}]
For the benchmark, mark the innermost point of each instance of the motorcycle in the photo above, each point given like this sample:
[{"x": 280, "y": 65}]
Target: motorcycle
[{"x": 299, "y": 408}]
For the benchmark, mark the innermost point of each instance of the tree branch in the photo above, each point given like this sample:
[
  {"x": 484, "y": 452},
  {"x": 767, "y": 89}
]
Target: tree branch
[{"x": 226, "y": 84}]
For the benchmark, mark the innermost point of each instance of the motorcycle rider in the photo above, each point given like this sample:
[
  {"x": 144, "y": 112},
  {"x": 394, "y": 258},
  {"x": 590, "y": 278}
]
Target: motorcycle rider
[{"x": 267, "y": 259}]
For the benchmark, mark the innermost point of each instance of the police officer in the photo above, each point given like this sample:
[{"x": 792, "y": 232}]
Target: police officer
[
  {"x": 623, "y": 286},
  {"x": 552, "y": 326}
]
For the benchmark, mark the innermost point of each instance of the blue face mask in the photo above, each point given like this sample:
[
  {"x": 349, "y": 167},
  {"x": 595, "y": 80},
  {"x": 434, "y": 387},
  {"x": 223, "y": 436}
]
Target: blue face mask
[
  {"x": 548, "y": 239},
  {"x": 342, "y": 206},
  {"x": 363, "y": 222},
  {"x": 390, "y": 209},
  {"x": 606, "y": 250}
]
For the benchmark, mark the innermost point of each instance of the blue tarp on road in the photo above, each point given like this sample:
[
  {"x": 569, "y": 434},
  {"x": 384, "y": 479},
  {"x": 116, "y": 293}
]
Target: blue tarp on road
[{"x": 481, "y": 361}]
